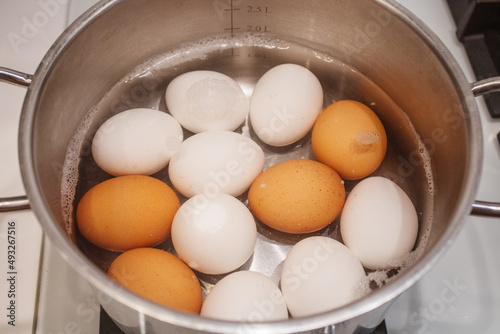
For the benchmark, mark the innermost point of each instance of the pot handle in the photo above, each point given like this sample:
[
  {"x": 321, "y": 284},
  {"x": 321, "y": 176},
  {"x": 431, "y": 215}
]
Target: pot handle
[
  {"x": 485, "y": 86},
  {"x": 14, "y": 203},
  {"x": 23, "y": 80},
  {"x": 478, "y": 88},
  {"x": 15, "y": 77}
]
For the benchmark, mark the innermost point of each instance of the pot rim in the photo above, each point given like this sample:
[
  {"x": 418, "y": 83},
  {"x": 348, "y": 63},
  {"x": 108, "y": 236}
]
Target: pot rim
[{"x": 98, "y": 279}]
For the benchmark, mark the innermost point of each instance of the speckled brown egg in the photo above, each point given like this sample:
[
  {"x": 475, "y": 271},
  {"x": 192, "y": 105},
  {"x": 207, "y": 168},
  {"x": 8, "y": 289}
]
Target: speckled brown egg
[
  {"x": 350, "y": 138},
  {"x": 127, "y": 212},
  {"x": 297, "y": 196},
  {"x": 159, "y": 276}
]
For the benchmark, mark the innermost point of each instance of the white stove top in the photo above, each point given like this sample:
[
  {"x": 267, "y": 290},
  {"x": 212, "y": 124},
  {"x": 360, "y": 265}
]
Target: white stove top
[{"x": 460, "y": 295}]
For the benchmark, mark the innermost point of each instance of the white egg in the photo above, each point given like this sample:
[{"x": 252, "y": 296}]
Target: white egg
[
  {"x": 136, "y": 141},
  {"x": 206, "y": 101},
  {"x": 379, "y": 223},
  {"x": 216, "y": 162},
  {"x": 245, "y": 296},
  {"x": 285, "y": 104},
  {"x": 214, "y": 235},
  {"x": 320, "y": 274}
]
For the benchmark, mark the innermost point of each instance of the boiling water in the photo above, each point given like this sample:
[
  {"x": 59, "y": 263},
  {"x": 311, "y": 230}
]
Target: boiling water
[{"x": 246, "y": 58}]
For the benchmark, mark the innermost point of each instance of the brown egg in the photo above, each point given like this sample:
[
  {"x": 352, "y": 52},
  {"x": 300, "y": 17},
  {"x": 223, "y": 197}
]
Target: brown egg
[
  {"x": 127, "y": 212},
  {"x": 350, "y": 138},
  {"x": 297, "y": 196},
  {"x": 158, "y": 276}
]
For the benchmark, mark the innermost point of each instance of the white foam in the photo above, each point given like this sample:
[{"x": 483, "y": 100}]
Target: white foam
[
  {"x": 199, "y": 49},
  {"x": 380, "y": 278},
  {"x": 383, "y": 277},
  {"x": 70, "y": 170}
]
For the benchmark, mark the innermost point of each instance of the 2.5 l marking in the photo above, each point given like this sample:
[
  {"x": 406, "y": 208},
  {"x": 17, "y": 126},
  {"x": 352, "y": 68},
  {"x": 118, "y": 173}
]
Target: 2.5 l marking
[{"x": 258, "y": 9}]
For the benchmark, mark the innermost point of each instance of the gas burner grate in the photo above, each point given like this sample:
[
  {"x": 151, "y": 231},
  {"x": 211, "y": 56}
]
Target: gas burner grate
[
  {"x": 478, "y": 28},
  {"x": 106, "y": 325}
]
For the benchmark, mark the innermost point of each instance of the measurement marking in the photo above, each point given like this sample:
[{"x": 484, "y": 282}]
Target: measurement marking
[
  {"x": 231, "y": 10},
  {"x": 259, "y": 9},
  {"x": 232, "y": 28}
]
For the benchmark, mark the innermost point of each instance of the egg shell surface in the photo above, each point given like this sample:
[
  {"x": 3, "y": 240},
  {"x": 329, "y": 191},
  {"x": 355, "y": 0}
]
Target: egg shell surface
[
  {"x": 159, "y": 276},
  {"x": 216, "y": 162},
  {"x": 214, "y": 235},
  {"x": 136, "y": 141},
  {"x": 297, "y": 196},
  {"x": 350, "y": 138},
  {"x": 127, "y": 212},
  {"x": 285, "y": 103},
  {"x": 245, "y": 296},
  {"x": 379, "y": 223},
  {"x": 206, "y": 101},
  {"x": 320, "y": 274}
]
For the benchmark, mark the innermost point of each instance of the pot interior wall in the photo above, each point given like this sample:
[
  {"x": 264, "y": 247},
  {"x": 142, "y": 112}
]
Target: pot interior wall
[{"x": 366, "y": 35}]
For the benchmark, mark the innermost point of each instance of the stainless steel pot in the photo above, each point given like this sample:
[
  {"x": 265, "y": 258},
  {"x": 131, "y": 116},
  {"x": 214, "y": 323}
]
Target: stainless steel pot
[{"x": 380, "y": 39}]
